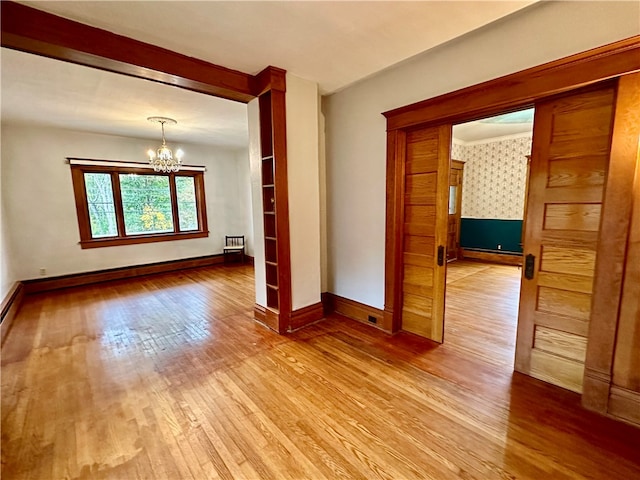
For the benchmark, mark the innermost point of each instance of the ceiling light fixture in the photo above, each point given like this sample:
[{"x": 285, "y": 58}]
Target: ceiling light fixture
[{"x": 163, "y": 160}]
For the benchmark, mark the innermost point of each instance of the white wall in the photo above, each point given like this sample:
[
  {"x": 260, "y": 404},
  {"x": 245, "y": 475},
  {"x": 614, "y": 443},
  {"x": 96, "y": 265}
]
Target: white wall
[
  {"x": 356, "y": 141},
  {"x": 255, "y": 161},
  {"x": 7, "y": 277},
  {"x": 303, "y": 173},
  {"x": 40, "y": 209}
]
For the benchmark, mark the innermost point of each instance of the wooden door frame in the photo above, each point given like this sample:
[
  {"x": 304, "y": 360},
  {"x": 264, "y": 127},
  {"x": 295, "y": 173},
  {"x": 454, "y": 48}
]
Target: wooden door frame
[
  {"x": 514, "y": 92},
  {"x": 33, "y": 31}
]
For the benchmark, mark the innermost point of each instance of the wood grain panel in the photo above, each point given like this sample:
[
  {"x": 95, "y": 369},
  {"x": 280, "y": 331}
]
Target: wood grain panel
[
  {"x": 560, "y": 343},
  {"x": 417, "y": 259},
  {"x": 424, "y": 227},
  {"x": 557, "y": 370},
  {"x": 614, "y": 340},
  {"x": 571, "y": 239},
  {"x": 420, "y": 220},
  {"x": 569, "y": 164},
  {"x": 413, "y": 322},
  {"x": 416, "y": 304},
  {"x": 562, "y": 322},
  {"x": 421, "y": 159},
  {"x": 566, "y": 260},
  {"x": 565, "y": 281},
  {"x": 626, "y": 367},
  {"x": 564, "y": 302},
  {"x": 577, "y": 172},
  {"x": 420, "y": 214},
  {"x": 419, "y": 245},
  {"x": 573, "y": 216},
  {"x": 421, "y": 189}
]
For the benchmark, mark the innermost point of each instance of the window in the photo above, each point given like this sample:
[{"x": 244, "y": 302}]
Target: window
[{"x": 122, "y": 203}]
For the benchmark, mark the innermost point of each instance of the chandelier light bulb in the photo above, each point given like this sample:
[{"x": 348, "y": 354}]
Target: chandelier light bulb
[{"x": 163, "y": 160}]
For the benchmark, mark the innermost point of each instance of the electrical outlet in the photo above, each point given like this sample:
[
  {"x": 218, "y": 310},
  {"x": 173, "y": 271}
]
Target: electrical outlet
[
  {"x": 373, "y": 319},
  {"x": 43, "y": 271},
  {"x": 499, "y": 247}
]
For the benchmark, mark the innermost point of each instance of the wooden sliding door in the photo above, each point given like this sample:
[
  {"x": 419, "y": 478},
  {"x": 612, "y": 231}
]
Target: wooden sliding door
[
  {"x": 424, "y": 230},
  {"x": 570, "y": 157}
]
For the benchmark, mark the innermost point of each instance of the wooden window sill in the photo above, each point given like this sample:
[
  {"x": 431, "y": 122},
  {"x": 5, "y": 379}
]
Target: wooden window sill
[{"x": 158, "y": 237}]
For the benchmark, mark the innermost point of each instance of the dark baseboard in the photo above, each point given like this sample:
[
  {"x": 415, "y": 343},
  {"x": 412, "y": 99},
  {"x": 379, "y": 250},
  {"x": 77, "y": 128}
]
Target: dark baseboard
[
  {"x": 327, "y": 303},
  {"x": 299, "y": 318},
  {"x": 78, "y": 279},
  {"x": 356, "y": 311},
  {"x": 260, "y": 313},
  {"x": 306, "y": 316},
  {"x": 492, "y": 257},
  {"x": 10, "y": 306},
  {"x": 624, "y": 404}
]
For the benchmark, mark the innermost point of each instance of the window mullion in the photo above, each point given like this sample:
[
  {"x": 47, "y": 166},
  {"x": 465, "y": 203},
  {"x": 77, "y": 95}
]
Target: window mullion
[
  {"x": 117, "y": 201},
  {"x": 174, "y": 202}
]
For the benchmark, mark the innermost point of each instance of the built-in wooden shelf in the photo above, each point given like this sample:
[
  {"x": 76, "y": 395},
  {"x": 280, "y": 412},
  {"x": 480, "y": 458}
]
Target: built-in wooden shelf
[{"x": 275, "y": 203}]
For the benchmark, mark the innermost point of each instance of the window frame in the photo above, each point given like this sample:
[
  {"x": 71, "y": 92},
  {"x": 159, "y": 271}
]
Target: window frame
[{"x": 103, "y": 166}]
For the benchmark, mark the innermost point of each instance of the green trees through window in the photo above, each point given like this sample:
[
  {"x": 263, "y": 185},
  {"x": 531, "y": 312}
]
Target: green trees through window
[
  {"x": 102, "y": 210},
  {"x": 118, "y": 205},
  {"x": 146, "y": 203}
]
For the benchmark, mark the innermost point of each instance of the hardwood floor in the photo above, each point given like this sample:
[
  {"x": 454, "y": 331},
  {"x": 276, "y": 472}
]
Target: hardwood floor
[
  {"x": 168, "y": 377},
  {"x": 481, "y": 311}
]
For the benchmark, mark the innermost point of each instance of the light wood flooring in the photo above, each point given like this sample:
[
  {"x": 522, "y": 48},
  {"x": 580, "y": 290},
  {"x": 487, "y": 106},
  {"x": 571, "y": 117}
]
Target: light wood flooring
[
  {"x": 481, "y": 311},
  {"x": 169, "y": 377}
]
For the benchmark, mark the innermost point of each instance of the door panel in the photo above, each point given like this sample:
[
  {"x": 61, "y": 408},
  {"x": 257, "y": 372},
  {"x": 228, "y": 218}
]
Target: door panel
[
  {"x": 425, "y": 216},
  {"x": 571, "y": 143},
  {"x": 455, "y": 205}
]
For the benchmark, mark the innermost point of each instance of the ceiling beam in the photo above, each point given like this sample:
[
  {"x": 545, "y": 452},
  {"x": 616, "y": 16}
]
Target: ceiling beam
[{"x": 34, "y": 31}]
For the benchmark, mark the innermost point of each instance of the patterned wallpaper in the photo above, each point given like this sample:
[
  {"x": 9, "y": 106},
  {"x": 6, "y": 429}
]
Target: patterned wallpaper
[
  {"x": 457, "y": 151},
  {"x": 494, "y": 178}
]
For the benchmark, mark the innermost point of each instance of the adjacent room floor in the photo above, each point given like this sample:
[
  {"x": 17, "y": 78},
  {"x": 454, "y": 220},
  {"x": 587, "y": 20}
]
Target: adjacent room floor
[
  {"x": 169, "y": 377},
  {"x": 481, "y": 311}
]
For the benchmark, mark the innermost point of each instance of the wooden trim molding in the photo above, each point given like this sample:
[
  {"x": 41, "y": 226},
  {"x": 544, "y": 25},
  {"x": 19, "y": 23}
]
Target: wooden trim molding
[
  {"x": 357, "y": 311},
  {"x": 30, "y": 30},
  {"x": 522, "y": 88},
  {"x": 624, "y": 405},
  {"x": 612, "y": 247},
  {"x": 620, "y": 62},
  {"x": 10, "y": 306},
  {"x": 260, "y": 313},
  {"x": 298, "y": 319},
  {"x": 492, "y": 257},
  {"x": 306, "y": 316},
  {"x": 78, "y": 171},
  {"x": 78, "y": 279}
]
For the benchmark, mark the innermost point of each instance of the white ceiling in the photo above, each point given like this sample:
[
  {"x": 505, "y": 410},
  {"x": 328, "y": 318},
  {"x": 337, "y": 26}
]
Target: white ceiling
[
  {"x": 42, "y": 91},
  {"x": 515, "y": 123},
  {"x": 332, "y": 43}
]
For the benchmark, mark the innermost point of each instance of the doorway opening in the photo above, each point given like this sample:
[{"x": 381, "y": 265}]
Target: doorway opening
[{"x": 487, "y": 202}]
